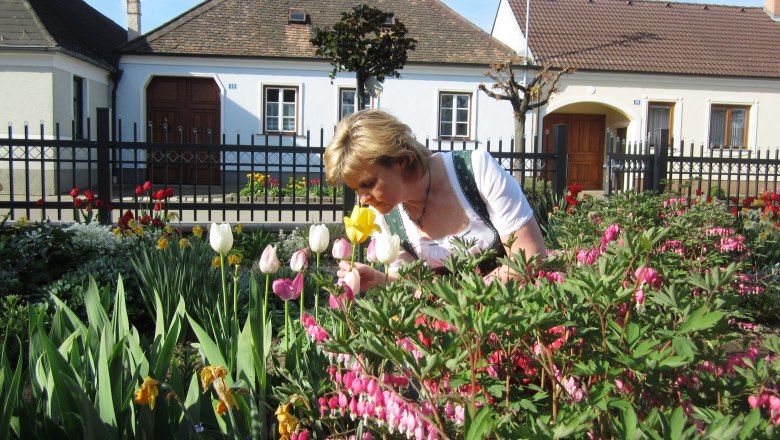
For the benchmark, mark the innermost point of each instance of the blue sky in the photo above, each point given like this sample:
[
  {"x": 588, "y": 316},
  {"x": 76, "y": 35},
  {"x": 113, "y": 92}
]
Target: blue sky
[{"x": 480, "y": 12}]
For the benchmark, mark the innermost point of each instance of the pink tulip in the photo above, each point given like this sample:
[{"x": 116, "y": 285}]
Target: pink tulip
[
  {"x": 286, "y": 289},
  {"x": 299, "y": 261},
  {"x": 342, "y": 249},
  {"x": 371, "y": 252}
]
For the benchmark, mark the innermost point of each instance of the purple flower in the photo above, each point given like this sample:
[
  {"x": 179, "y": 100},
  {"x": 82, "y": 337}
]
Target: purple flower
[{"x": 286, "y": 289}]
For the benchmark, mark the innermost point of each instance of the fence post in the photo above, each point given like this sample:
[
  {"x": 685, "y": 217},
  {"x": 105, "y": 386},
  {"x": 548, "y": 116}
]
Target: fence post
[
  {"x": 661, "y": 158},
  {"x": 103, "y": 163},
  {"x": 349, "y": 200},
  {"x": 560, "y": 141}
]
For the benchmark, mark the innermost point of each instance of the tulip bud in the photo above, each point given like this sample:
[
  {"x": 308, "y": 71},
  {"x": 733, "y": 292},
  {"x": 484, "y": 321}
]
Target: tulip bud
[
  {"x": 371, "y": 252},
  {"x": 319, "y": 237},
  {"x": 221, "y": 238},
  {"x": 352, "y": 280},
  {"x": 342, "y": 250},
  {"x": 299, "y": 260},
  {"x": 387, "y": 248},
  {"x": 269, "y": 262}
]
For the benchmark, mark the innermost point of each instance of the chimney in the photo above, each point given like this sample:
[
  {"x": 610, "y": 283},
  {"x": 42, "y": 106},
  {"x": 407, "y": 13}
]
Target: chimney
[
  {"x": 134, "y": 18},
  {"x": 772, "y": 7}
]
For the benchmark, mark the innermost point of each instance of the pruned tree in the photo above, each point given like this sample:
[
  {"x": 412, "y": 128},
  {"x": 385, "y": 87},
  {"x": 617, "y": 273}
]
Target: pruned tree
[
  {"x": 367, "y": 41},
  {"x": 535, "y": 93}
]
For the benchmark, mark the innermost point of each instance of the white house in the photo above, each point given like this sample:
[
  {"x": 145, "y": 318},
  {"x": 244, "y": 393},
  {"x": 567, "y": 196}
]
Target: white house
[{"x": 709, "y": 74}]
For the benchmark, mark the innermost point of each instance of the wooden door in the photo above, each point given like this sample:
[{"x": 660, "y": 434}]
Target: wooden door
[
  {"x": 183, "y": 110},
  {"x": 585, "y": 147}
]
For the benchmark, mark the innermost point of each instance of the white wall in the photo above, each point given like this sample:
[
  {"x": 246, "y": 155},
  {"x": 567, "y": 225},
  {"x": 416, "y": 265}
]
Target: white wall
[
  {"x": 413, "y": 97},
  {"x": 37, "y": 88}
]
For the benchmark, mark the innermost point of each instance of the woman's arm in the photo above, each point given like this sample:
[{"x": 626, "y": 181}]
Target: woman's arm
[{"x": 528, "y": 239}]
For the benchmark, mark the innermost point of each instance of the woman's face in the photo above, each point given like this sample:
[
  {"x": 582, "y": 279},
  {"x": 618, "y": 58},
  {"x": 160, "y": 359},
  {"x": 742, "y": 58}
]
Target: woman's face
[{"x": 379, "y": 186}]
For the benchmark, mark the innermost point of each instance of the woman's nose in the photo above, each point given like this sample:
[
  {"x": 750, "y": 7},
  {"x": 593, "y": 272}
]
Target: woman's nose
[{"x": 364, "y": 197}]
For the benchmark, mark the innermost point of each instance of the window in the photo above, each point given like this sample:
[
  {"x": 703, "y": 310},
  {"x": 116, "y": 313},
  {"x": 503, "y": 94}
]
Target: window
[
  {"x": 659, "y": 117},
  {"x": 78, "y": 107},
  {"x": 297, "y": 16},
  {"x": 454, "y": 114},
  {"x": 281, "y": 109},
  {"x": 728, "y": 126},
  {"x": 348, "y": 101}
]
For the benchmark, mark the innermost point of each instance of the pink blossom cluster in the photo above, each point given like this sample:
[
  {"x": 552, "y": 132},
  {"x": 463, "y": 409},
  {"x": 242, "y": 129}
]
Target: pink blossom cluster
[
  {"x": 610, "y": 234},
  {"x": 675, "y": 246},
  {"x": 749, "y": 326},
  {"x": 769, "y": 400},
  {"x": 313, "y": 330},
  {"x": 719, "y": 231},
  {"x": 676, "y": 205},
  {"x": 727, "y": 244},
  {"x": 733, "y": 360},
  {"x": 359, "y": 395},
  {"x": 746, "y": 285},
  {"x": 553, "y": 277}
]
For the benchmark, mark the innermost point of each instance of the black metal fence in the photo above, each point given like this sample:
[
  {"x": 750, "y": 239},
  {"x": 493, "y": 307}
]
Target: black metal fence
[
  {"x": 273, "y": 180},
  {"x": 728, "y": 174}
]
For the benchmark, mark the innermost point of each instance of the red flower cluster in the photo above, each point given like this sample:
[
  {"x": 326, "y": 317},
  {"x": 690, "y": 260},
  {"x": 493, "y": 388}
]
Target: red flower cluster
[
  {"x": 768, "y": 203},
  {"x": 86, "y": 202},
  {"x": 571, "y": 198}
]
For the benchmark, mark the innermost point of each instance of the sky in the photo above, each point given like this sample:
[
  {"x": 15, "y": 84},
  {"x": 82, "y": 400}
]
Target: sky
[{"x": 480, "y": 12}]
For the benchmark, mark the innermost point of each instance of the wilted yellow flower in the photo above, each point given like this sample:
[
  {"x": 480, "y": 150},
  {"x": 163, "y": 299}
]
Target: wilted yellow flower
[
  {"x": 172, "y": 216},
  {"x": 210, "y": 373},
  {"x": 234, "y": 259},
  {"x": 238, "y": 228},
  {"x": 360, "y": 225},
  {"x": 226, "y": 399},
  {"x": 216, "y": 262},
  {"x": 287, "y": 421},
  {"x": 197, "y": 231},
  {"x": 138, "y": 230},
  {"x": 116, "y": 231},
  {"x": 23, "y": 221},
  {"x": 146, "y": 394},
  {"x": 162, "y": 243},
  {"x": 183, "y": 242}
]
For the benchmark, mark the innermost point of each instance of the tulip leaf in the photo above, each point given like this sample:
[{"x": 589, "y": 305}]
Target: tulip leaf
[
  {"x": 96, "y": 314},
  {"x": 9, "y": 389},
  {"x": 207, "y": 346},
  {"x": 245, "y": 368},
  {"x": 104, "y": 399}
]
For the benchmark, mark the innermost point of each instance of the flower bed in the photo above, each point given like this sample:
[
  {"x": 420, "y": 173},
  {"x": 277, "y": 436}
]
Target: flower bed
[{"x": 647, "y": 319}]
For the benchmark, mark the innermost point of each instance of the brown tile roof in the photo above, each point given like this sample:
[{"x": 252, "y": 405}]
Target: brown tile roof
[
  {"x": 653, "y": 37},
  {"x": 260, "y": 29},
  {"x": 69, "y": 25}
]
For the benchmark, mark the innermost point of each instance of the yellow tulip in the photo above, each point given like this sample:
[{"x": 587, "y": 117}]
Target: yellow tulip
[
  {"x": 360, "y": 225},
  {"x": 146, "y": 394}
]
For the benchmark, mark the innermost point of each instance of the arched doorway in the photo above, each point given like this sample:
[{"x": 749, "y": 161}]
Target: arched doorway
[{"x": 183, "y": 110}]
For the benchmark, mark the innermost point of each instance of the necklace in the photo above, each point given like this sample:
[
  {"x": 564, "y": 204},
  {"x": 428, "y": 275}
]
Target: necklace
[{"x": 419, "y": 218}]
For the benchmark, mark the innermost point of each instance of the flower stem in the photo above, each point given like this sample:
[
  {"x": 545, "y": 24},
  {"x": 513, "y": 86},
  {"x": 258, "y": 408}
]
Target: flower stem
[
  {"x": 224, "y": 284},
  {"x": 316, "y": 296}
]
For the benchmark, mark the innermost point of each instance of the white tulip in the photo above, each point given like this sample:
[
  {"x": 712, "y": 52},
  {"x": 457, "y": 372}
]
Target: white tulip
[
  {"x": 387, "y": 247},
  {"x": 352, "y": 279},
  {"x": 221, "y": 237},
  {"x": 318, "y": 238}
]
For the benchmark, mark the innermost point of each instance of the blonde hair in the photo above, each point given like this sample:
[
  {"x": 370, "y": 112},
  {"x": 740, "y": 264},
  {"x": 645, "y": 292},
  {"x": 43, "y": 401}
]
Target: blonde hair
[{"x": 372, "y": 137}]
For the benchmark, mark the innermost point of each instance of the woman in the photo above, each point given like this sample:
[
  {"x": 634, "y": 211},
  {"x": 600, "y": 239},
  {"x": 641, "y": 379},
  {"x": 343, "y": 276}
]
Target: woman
[{"x": 427, "y": 197}]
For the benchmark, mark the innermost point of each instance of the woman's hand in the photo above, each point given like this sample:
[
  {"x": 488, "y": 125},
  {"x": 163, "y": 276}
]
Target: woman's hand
[{"x": 369, "y": 277}]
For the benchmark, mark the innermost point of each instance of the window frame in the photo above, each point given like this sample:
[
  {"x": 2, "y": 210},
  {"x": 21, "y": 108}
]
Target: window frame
[
  {"x": 341, "y": 91},
  {"x": 668, "y": 105},
  {"x": 280, "y": 114},
  {"x": 454, "y": 122},
  {"x": 729, "y": 107}
]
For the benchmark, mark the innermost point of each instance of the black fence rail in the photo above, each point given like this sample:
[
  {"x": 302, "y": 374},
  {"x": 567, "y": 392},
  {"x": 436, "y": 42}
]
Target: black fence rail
[
  {"x": 727, "y": 174},
  {"x": 271, "y": 181}
]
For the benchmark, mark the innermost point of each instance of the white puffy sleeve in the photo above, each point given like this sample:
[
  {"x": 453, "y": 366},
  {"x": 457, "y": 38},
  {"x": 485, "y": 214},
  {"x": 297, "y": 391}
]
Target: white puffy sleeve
[{"x": 507, "y": 206}]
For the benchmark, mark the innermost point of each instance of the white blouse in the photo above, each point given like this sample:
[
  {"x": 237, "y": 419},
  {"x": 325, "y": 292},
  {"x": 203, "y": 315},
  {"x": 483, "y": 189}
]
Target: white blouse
[{"x": 507, "y": 207}]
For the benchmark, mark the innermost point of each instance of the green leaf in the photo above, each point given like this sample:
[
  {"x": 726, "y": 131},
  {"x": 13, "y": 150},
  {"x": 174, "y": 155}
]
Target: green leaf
[
  {"x": 700, "y": 320},
  {"x": 9, "y": 391},
  {"x": 207, "y": 346},
  {"x": 481, "y": 426}
]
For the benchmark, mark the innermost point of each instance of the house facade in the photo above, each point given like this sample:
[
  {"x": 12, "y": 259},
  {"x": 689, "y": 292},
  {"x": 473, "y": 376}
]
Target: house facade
[
  {"x": 57, "y": 65},
  {"x": 708, "y": 74},
  {"x": 246, "y": 68}
]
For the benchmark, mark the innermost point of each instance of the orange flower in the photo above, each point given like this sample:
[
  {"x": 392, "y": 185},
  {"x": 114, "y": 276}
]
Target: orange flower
[
  {"x": 210, "y": 373},
  {"x": 146, "y": 394}
]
